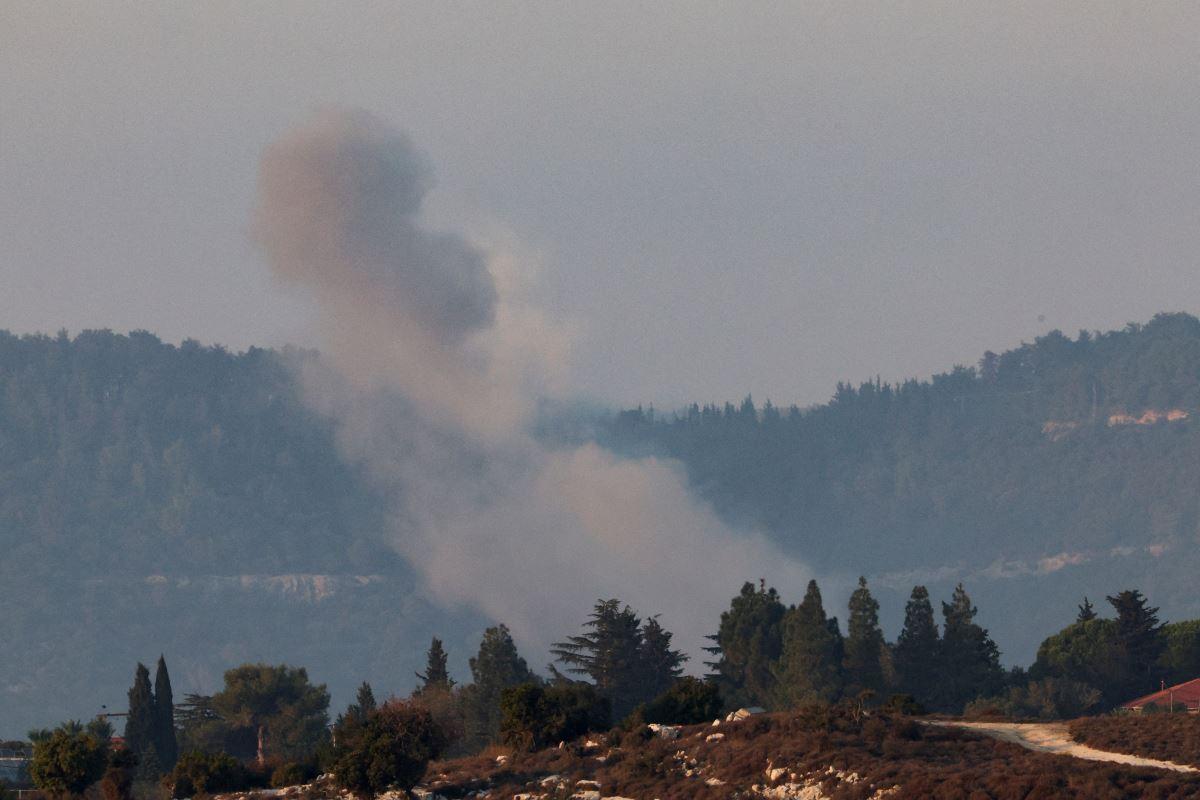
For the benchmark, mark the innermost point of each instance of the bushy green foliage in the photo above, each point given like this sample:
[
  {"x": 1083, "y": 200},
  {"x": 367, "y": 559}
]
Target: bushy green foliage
[
  {"x": 67, "y": 762},
  {"x": 968, "y": 659},
  {"x": 1048, "y": 698},
  {"x": 809, "y": 668},
  {"x": 293, "y": 773},
  {"x": 287, "y": 713},
  {"x": 496, "y": 667},
  {"x": 389, "y": 750},
  {"x": 205, "y": 773},
  {"x": 747, "y": 644},
  {"x": 117, "y": 782},
  {"x": 1180, "y": 659},
  {"x": 534, "y": 716},
  {"x": 628, "y": 661},
  {"x": 689, "y": 701}
]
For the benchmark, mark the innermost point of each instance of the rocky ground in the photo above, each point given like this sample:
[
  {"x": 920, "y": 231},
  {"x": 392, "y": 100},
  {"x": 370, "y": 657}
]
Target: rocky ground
[{"x": 812, "y": 754}]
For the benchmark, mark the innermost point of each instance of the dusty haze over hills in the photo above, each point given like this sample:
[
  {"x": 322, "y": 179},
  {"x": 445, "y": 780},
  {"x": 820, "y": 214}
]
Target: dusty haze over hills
[{"x": 721, "y": 199}]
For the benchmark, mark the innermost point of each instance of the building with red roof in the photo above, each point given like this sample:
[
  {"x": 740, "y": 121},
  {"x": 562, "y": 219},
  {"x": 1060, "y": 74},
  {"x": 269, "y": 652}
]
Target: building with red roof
[{"x": 1180, "y": 697}]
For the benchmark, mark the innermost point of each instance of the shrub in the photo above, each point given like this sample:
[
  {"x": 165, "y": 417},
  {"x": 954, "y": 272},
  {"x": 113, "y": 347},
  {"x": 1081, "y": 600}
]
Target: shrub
[
  {"x": 1048, "y": 698},
  {"x": 390, "y": 749},
  {"x": 205, "y": 773},
  {"x": 689, "y": 701},
  {"x": 533, "y": 716},
  {"x": 293, "y": 773},
  {"x": 904, "y": 705},
  {"x": 117, "y": 783},
  {"x": 67, "y": 762}
]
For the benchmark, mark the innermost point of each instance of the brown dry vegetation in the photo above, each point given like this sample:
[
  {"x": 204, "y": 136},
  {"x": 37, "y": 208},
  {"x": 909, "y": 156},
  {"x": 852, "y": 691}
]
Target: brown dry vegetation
[
  {"x": 1168, "y": 737},
  {"x": 850, "y": 757}
]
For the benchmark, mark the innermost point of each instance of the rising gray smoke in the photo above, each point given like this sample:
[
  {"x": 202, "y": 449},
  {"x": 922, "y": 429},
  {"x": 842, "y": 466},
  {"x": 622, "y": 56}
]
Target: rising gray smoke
[{"x": 431, "y": 374}]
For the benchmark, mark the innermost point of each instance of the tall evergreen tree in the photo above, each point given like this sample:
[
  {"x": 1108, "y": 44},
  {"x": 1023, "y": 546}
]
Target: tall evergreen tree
[
  {"x": 1139, "y": 641},
  {"x": 609, "y": 652},
  {"x": 1086, "y": 611},
  {"x": 747, "y": 644},
  {"x": 365, "y": 699},
  {"x": 357, "y": 712},
  {"x": 166, "y": 745},
  {"x": 496, "y": 667},
  {"x": 139, "y": 725},
  {"x": 810, "y": 665},
  {"x": 436, "y": 676},
  {"x": 660, "y": 665},
  {"x": 970, "y": 660},
  {"x": 864, "y": 643},
  {"x": 917, "y": 649}
]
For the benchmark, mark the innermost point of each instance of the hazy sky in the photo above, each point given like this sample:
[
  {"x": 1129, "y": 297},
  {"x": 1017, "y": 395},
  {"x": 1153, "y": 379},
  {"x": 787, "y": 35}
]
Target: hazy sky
[{"x": 720, "y": 198}]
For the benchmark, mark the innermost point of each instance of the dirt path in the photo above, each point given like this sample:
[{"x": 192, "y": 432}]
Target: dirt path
[{"x": 1054, "y": 737}]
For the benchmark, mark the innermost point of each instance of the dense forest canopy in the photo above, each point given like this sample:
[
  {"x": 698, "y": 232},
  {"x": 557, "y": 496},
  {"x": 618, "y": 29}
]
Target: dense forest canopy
[
  {"x": 1036, "y": 476},
  {"x": 183, "y": 499}
]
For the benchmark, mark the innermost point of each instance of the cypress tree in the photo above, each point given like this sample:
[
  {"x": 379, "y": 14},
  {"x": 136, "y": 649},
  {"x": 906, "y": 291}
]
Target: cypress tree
[
  {"x": 140, "y": 724},
  {"x": 864, "y": 643},
  {"x": 747, "y": 645},
  {"x": 810, "y": 665},
  {"x": 916, "y": 651},
  {"x": 165, "y": 744},
  {"x": 436, "y": 675}
]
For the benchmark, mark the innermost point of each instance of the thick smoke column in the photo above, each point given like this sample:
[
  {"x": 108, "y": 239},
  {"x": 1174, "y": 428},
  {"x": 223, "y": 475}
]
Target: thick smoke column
[{"x": 431, "y": 386}]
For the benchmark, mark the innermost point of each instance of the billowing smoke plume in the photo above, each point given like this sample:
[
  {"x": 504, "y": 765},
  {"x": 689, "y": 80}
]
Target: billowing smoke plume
[{"x": 432, "y": 374}]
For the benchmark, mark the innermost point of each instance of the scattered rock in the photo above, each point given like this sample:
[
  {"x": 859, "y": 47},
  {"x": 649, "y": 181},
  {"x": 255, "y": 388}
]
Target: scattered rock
[
  {"x": 714, "y": 737},
  {"x": 743, "y": 713},
  {"x": 664, "y": 731}
]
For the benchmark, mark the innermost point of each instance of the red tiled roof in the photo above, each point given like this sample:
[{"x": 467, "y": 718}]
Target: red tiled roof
[{"x": 1182, "y": 694}]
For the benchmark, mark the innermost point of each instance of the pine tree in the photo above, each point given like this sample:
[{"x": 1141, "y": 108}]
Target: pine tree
[
  {"x": 140, "y": 724},
  {"x": 970, "y": 660},
  {"x": 436, "y": 676},
  {"x": 1139, "y": 641},
  {"x": 609, "y": 652},
  {"x": 660, "y": 665},
  {"x": 365, "y": 699},
  {"x": 917, "y": 649},
  {"x": 357, "y": 712},
  {"x": 810, "y": 665},
  {"x": 747, "y": 644},
  {"x": 165, "y": 744},
  {"x": 864, "y": 643},
  {"x": 1086, "y": 611},
  {"x": 496, "y": 667}
]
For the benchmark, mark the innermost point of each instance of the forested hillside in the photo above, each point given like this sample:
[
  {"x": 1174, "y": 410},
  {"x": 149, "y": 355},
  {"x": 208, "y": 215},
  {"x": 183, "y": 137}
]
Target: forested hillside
[
  {"x": 156, "y": 498},
  {"x": 181, "y": 499},
  {"x": 1036, "y": 476}
]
